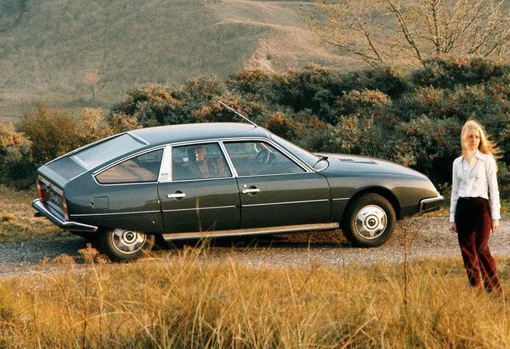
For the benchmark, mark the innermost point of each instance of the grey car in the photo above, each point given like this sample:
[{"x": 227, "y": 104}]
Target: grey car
[{"x": 208, "y": 180}]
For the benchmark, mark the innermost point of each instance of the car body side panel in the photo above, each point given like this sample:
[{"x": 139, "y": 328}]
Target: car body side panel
[
  {"x": 405, "y": 192},
  {"x": 302, "y": 198},
  {"x": 200, "y": 205},
  {"x": 127, "y": 206}
]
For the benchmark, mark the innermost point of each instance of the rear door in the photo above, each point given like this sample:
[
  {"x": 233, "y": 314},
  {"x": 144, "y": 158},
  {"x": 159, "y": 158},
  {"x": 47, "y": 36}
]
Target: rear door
[
  {"x": 274, "y": 189},
  {"x": 200, "y": 192}
]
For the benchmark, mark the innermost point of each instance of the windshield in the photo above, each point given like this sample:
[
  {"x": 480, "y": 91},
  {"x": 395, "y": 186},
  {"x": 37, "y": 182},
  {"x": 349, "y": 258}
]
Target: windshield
[
  {"x": 312, "y": 160},
  {"x": 105, "y": 151}
]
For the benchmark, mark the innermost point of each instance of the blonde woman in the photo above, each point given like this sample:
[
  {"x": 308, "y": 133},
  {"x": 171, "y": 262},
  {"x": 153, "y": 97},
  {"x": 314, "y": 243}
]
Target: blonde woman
[{"x": 475, "y": 206}]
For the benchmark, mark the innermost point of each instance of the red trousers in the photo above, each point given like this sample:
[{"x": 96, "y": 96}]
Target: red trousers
[{"x": 474, "y": 224}]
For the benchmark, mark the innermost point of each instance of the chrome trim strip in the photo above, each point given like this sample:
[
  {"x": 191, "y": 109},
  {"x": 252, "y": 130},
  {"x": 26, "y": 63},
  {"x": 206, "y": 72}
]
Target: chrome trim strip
[
  {"x": 276, "y": 174},
  {"x": 341, "y": 199},
  {"x": 165, "y": 170},
  {"x": 286, "y": 203},
  {"x": 254, "y": 231},
  {"x": 199, "y": 208},
  {"x": 113, "y": 214},
  {"x": 198, "y": 179},
  {"x": 229, "y": 160}
]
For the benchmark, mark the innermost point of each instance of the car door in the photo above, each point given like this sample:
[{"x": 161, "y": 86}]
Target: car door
[
  {"x": 127, "y": 194},
  {"x": 274, "y": 189},
  {"x": 200, "y": 192}
]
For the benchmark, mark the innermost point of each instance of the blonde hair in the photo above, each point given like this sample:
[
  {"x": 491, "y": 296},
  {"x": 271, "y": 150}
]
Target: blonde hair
[{"x": 486, "y": 146}]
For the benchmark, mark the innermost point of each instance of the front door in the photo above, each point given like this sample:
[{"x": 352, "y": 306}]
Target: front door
[{"x": 275, "y": 190}]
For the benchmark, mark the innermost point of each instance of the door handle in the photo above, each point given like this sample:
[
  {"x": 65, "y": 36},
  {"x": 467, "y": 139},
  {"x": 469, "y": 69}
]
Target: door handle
[
  {"x": 176, "y": 195},
  {"x": 250, "y": 191}
]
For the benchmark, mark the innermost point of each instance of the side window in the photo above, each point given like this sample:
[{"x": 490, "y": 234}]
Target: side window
[
  {"x": 199, "y": 161},
  {"x": 143, "y": 168},
  {"x": 259, "y": 158}
]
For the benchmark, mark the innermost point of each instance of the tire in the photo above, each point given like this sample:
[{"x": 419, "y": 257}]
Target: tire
[
  {"x": 369, "y": 221},
  {"x": 123, "y": 245}
]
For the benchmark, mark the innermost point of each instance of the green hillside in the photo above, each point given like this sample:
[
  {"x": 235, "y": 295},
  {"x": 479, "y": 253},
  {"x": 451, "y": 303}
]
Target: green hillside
[{"x": 72, "y": 54}]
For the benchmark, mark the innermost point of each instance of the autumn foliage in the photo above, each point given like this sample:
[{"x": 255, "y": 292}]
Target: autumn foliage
[{"x": 412, "y": 117}]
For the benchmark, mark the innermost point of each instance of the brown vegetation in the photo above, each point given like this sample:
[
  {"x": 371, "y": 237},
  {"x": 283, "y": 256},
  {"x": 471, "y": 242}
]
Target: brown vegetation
[{"x": 192, "y": 301}]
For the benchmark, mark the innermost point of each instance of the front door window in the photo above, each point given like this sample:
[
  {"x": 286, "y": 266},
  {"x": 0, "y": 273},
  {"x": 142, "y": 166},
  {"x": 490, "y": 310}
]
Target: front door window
[{"x": 259, "y": 158}]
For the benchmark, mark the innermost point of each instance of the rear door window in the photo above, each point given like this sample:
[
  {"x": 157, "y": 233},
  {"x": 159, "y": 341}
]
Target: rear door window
[
  {"x": 142, "y": 168},
  {"x": 199, "y": 161}
]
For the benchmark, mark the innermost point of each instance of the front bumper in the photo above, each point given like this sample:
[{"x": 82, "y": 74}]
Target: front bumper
[
  {"x": 431, "y": 204},
  {"x": 42, "y": 210}
]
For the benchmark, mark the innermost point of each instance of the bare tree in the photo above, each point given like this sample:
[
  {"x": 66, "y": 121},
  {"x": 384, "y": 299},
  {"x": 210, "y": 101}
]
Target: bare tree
[{"x": 409, "y": 32}]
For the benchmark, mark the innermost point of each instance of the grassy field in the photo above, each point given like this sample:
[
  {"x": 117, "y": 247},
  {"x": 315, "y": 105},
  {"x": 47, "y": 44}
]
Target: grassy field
[
  {"x": 17, "y": 221},
  {"x": 72, "y": 54},
  {"x": 189, "y": 300}
]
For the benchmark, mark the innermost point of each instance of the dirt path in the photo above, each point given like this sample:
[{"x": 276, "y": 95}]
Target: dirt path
[{"x": 428, "y": 236}]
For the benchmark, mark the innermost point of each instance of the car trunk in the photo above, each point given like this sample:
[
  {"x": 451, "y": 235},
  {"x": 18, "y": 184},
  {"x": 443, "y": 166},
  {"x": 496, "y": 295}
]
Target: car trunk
[{"x": 51, "y": 181}]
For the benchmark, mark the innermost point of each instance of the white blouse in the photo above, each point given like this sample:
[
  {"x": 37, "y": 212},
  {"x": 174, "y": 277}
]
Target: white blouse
[{"x": 474, "y": 179}]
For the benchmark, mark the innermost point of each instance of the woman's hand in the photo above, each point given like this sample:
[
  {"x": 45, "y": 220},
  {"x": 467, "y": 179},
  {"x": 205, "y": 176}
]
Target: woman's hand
[
  {"x": 495, "y": 225},
  {"x": 453, "y": 227}
]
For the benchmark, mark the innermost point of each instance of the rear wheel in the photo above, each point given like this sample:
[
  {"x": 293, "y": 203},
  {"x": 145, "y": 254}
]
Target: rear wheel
[
  {"x": 124, "y": 245},
  {"x": 369, "y": 221}
]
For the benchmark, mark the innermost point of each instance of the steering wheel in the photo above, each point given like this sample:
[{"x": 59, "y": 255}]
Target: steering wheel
[{"x": 263, "y": 157}]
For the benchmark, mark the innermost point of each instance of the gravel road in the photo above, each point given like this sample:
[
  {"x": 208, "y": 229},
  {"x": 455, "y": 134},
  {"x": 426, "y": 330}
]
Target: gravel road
[{"x": 428, "y": 237}]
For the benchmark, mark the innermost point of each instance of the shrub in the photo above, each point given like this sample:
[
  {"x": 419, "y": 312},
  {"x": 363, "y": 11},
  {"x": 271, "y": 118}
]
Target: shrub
[
  {"x": 16, "y": 164},
  {"x": 151, "y": 105},
  {"x": 364, "y": 102},
  {"x": 215, "y": 112},
  {"x": 387, "y": 80},
  {"x": 43, "y": 135},
  {"x": 428, "y": 145},
  {"x": 449, "y": 71},
  {"x": 155, "y": 105},
  {"x": 52, "y": 133},
  {"x": 254, "y": 83}
]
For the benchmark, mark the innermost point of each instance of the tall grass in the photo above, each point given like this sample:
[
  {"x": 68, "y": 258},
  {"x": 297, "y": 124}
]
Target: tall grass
[{"x": 190, "y": 299}]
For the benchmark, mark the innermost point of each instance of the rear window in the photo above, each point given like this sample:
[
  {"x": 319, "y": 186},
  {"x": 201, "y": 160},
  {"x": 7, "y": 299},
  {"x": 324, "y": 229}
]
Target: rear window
[{"x": 106, "y": 151}]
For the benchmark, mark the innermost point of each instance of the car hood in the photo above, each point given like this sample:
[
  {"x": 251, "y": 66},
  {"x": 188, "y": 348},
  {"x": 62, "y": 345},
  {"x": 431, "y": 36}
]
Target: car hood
[{"x": 344, "y": 164}]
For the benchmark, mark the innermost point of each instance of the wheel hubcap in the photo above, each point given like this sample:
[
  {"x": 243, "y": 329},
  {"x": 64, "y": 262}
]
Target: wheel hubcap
[
  {"x": 371, "y": 221},
  {"x": 127, "y": 241}
]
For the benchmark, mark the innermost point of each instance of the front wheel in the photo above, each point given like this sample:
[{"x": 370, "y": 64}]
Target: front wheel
[
  {"x": 369, "y": 221},
  {"x": 124, "y": 245}
]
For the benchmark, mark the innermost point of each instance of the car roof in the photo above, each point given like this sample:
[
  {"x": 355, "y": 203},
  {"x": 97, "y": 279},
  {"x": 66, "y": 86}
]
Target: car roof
[{"x": 190, "y": 132}]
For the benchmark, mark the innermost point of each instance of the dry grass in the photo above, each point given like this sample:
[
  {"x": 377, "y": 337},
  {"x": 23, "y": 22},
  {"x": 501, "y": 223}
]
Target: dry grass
[
  {"x": 17, "y": 221},
  {"x": 189, "y": 301}
]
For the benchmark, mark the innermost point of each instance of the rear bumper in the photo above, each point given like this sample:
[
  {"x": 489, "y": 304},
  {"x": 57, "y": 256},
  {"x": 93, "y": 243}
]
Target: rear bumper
[
  {"x": 431, "y": 204},
  {"x": 42, "y": 210}
]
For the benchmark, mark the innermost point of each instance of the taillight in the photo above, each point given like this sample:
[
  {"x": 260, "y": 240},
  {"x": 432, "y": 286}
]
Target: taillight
[
  {"x": 42, "y": 189},
  {"x": 64, "y": 206}
]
